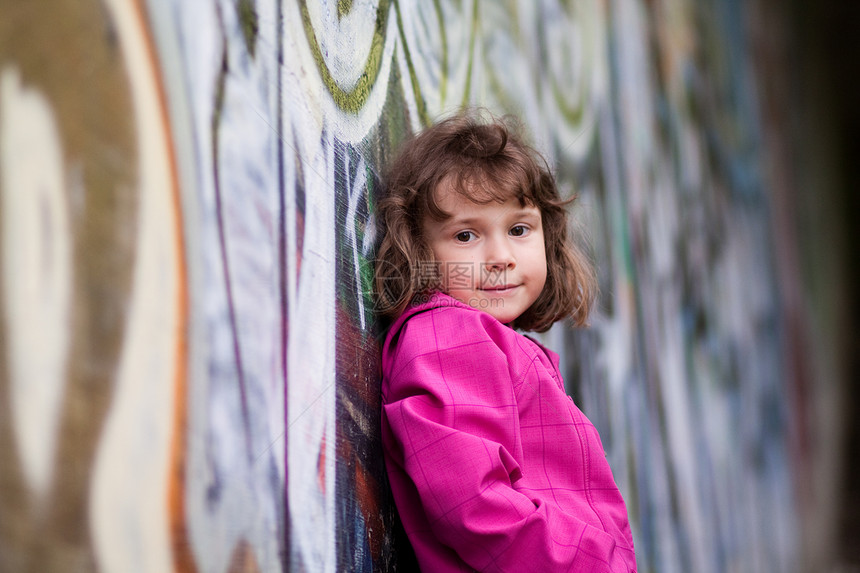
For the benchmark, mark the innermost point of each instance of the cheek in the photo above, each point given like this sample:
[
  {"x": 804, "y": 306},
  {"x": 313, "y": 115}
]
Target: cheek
[
  {"x": 541, "y": 256},
  {"x": 541, "y": 268},
  {"x": 543, "y": 274},
  {"x": 446, "y": 258}
]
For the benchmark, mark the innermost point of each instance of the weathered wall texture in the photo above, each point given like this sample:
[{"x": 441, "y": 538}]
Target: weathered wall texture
[{"x": 189, "y": 365}]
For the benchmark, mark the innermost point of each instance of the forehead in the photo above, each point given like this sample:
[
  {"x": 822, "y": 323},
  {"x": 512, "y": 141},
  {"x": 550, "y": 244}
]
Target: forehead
[
  {"x": 456, "y": 206},
  {"x": 453, "y": 196}
]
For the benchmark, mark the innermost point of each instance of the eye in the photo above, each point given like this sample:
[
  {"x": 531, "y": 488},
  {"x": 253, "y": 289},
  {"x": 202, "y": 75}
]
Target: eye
[
  {"x": 519, "y": 230},
  {"x": 464, "y": 236}
]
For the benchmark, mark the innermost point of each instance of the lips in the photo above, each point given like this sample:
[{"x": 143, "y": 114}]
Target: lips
[{"x": 500, "y": 288}]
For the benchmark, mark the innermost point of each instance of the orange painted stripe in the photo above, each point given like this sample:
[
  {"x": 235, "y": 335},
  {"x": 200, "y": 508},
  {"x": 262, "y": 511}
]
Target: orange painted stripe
[{"x": 183, "y": 557}]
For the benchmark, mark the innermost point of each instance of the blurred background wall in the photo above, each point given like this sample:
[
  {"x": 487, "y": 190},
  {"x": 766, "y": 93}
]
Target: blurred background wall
[
  {"x": 810, "y": 117},
  {"x": 188, "y": 350}
]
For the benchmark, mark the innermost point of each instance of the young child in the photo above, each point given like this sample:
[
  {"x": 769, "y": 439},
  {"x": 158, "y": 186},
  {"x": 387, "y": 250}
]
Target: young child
[{"x": 492, "y": 466}]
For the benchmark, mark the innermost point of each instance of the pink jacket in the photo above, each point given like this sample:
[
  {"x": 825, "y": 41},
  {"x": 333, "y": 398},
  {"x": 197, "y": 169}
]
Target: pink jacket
[{"x": 491, "y": 464}]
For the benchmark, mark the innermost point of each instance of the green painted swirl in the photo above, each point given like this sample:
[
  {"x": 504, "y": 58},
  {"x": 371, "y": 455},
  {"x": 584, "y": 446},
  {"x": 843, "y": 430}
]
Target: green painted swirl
[{"x": 350, "y": 100}]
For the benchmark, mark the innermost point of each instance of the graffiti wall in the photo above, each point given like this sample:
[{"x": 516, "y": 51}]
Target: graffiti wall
[{"x": 189, "y": 375}]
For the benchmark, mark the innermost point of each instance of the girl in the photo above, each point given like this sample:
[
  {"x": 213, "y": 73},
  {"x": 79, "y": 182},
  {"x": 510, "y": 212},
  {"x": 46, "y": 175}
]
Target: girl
[{"x": 492, "y": 466}]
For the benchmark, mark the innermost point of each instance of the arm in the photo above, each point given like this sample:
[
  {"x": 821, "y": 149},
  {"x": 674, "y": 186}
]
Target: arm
[{"x": 452, "y": 425}]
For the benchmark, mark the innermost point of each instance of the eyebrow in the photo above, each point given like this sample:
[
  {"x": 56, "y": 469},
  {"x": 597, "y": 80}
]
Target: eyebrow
[
  {"x": 524, "y": 213},
  {"x": 455, "y": 222},
  {"x": 467, "y": 221}
]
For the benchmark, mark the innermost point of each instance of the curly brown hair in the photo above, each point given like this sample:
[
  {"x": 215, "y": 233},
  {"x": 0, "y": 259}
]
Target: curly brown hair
[{"x": 485, "y": 160}]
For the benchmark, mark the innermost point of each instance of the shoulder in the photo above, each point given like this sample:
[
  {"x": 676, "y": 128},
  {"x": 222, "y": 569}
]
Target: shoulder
[
  {"x": 551, "y": 356},
  {"x": 453, "y": 331},
  {"x": 441, "y": 323}
]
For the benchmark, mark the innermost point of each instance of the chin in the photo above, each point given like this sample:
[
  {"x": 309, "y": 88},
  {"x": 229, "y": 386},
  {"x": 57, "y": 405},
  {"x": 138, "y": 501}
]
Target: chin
[
  {"x": 502, "y": 317},
  {"x": 500, "y": 313}
]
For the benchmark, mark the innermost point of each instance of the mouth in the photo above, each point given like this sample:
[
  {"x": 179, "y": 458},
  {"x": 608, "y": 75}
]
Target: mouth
[{"x": 500, "y": 289}]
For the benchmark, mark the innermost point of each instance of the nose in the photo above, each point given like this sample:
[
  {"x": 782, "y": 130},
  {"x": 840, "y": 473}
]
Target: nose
[{"x": 499, "y": 255}]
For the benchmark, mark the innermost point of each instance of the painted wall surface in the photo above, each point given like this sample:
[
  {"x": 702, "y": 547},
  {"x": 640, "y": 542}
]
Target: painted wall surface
[{"x": 189, "y": 373}]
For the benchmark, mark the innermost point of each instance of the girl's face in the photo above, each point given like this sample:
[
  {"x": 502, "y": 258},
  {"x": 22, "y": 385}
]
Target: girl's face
[{"x": 490, "y": 256}]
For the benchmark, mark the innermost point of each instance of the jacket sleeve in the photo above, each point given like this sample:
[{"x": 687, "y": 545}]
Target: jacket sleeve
[{"x": 451, "y": 424}]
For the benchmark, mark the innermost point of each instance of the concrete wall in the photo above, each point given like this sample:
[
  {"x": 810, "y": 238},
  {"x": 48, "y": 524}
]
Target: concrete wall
[{"x": 189, "y": 376}]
